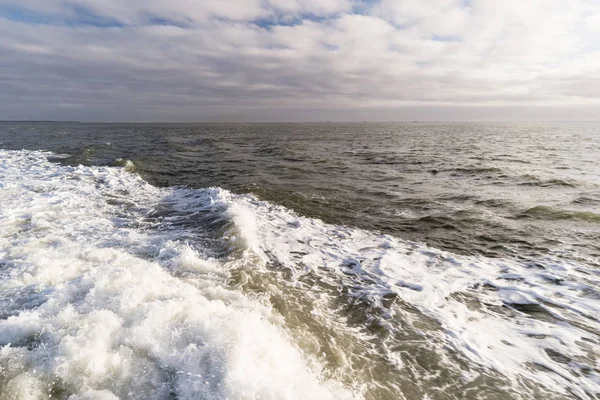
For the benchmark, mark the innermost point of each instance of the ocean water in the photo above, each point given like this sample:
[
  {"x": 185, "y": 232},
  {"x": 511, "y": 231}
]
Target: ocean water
[{"x": 300, "y": 261}]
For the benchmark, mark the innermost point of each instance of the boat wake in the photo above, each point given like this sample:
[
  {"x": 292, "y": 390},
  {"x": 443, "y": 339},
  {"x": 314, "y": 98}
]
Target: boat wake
[{"x": 113, "y": 288}]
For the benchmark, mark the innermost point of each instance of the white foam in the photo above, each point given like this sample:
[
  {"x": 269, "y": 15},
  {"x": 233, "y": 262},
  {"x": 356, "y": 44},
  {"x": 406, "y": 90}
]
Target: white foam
[
  {"x": 104, "y": 297},
  {"x": 479, "y": 302},
  {"x": 99, "y": 304},
  {"x": 516, "y": 297}
]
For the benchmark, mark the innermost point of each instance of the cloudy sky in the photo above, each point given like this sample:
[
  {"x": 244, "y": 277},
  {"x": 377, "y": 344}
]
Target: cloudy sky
[{"x": 279, "y": 60}]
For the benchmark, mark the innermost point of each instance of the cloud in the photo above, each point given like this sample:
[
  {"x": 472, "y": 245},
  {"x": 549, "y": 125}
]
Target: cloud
[{"x": 191, "y": 60}]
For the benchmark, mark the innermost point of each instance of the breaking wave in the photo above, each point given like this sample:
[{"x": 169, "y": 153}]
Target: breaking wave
[{"x": 113, "y": 288}]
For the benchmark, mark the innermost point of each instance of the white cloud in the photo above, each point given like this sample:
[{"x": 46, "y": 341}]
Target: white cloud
[
  {"x": 305, "y": 54},
  {"x": 187, "y": 11}
]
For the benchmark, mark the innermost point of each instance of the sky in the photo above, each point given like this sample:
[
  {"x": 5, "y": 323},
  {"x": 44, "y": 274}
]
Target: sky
[{"x": 299, "y": 60}]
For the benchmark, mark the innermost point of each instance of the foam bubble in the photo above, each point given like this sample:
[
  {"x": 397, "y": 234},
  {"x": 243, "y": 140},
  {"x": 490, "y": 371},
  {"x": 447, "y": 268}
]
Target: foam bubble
[
  {"x": 530, "y": 322},
  {"x": 113, "y": 288},
  {"x": 104, "y": 297}
]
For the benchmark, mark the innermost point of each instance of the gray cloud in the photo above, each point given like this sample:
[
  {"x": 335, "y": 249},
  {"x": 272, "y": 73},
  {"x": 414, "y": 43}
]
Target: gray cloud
[{"x": 299, "y": 60}]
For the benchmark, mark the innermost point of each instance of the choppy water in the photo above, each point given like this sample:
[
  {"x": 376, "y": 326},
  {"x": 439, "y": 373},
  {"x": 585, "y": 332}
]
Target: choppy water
[{"x": 283, "y": 261}]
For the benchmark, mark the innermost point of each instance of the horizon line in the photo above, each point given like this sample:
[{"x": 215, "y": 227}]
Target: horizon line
[{"x": 291, "y": 122}]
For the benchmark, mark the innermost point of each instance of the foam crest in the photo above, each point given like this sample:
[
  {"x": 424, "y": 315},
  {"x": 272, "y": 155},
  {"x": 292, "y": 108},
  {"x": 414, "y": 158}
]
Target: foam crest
[
  {"x": 532, "y": 322},
  {"x": 105, "y": 295}
]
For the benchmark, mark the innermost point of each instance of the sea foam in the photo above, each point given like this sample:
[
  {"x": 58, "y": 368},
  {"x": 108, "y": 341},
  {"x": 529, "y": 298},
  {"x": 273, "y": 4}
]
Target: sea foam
[
  {"x": 529, "y": 321},
  {"x": 112, "y": 288},
  {"x": 97, "y": 303}
]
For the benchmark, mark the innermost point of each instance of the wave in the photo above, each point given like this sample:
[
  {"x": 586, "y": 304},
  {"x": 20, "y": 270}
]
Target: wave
[
  {"x": 587, "y": 200},
  {"x": 108, "y": 299},
  {"x": 128, "y": 165},
  {"x": 532, "y": 180},
  {"x": 483, "y": 306},
  {"x": 474, "y": 170},
  {"x": 553, "y": 213},
  {"x": 495, "y": 203},
  {"x": 110, "y": 286},
  {"x": 470, "y": 170}
]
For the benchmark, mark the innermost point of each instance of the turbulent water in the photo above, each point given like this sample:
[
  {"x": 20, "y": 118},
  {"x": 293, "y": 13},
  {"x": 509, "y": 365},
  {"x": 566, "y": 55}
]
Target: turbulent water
[{"x": 299, "y": 261}]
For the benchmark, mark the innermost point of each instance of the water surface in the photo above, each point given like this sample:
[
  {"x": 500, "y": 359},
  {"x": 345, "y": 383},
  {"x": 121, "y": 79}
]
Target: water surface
[{"x": 442, "y": 261}]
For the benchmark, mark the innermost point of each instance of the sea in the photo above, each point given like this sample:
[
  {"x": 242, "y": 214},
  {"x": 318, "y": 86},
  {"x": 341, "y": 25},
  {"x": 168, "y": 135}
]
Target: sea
[{"x": 420, "y": 261}]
